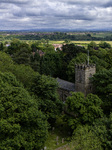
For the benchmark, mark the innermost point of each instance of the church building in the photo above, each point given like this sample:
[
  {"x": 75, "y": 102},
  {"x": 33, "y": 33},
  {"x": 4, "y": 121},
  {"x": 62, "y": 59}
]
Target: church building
[{"x": 83, "y": 74}]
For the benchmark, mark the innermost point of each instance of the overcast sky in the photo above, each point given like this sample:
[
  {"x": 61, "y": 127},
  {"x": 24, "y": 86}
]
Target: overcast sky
[{"x": 69, "y": 14}]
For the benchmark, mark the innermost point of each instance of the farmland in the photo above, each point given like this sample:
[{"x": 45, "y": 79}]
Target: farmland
[{"x": 83, "y": 43}]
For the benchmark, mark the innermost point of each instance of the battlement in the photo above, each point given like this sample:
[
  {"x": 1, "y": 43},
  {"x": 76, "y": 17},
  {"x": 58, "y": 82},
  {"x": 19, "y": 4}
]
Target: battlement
[{"x": 84, "y": 66}]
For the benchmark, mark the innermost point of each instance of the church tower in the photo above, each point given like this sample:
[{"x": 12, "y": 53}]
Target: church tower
[{"x": 83, "y": 73}]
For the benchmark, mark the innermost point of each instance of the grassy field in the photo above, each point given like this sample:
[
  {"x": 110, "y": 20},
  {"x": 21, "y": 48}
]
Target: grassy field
[
  {"x": 51, "y": 143},
  {"x": 78, "y": 42},
  {"x": 83, "y": 43},
  {"x": 61, "y": 42}
]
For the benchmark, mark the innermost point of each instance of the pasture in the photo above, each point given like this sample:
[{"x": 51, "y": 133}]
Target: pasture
[{"x": 82, "y": 43}]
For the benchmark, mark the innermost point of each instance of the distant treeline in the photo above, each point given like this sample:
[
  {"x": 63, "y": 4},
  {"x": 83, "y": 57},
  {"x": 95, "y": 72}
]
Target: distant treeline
[{"x": 60, "y": 36}]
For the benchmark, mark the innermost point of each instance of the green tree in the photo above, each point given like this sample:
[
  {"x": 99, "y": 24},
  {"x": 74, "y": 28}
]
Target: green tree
[
  {"x": 108, "y": 58},
  {"x": 1, "y": 47},
  {"x": 35, "y": 61},
  {"x": 49, "y": 48},
  {"x": 22, "y": 125},
  {"x": 6, "y": 62},
  {"x": 22, "y": 56},
  {"x": 51, "y": 64},
  {"x": 83, "y": 110},
  {"x": 67, "y": 41},
  {"x": 104, "y": 45},
  {"x": 16, "y": 45},
  {"x": 46, "y": 89},
  {"x": 24, "y": 74},
  {"x": 101, "y": 64},
  {"x": 102, "y": 82},
  {"x": 71, "y": 50},
  {"x": 103, "y": 130},
  {"x": 79, "y": 59},
  {"x": 85, "y": 139},
  {"x": 92, "y": 45}
]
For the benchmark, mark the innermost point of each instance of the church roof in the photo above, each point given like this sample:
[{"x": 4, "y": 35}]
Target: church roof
[{"x": 69, "y": 86}]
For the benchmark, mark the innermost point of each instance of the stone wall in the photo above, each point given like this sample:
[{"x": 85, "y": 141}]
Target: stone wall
[
  {"x": 83, "y": 73},
  {"x": 63, "y": 94}
]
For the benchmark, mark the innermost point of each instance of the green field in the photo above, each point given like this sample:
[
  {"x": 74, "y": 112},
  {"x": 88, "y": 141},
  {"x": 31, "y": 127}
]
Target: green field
[{"x": 83, "y": 43}]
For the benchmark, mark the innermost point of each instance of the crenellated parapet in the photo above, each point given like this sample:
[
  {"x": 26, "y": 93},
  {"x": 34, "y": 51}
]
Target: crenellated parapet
[{"x": 84, "y": 66}]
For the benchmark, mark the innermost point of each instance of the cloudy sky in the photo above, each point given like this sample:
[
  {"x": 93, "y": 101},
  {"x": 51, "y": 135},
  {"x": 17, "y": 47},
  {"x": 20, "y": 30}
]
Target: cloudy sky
[{"x": 69, "y": 14}]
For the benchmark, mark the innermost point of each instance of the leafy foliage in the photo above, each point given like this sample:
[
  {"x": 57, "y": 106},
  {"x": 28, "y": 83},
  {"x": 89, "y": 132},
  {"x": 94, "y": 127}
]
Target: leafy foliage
[
  {"x": 103, "y": 87},
  {"x": 92, "y": 45},
  {"x": 22, "y": 57},
  {"x": 80, "y": 58},
  {"x": 83, "y": 110},
  {"x": 51, "y": 64},
  {"x": 71, "y": 50},
  {"x": 103, "y": 130},
  {"x": 85, "y": 139},
  {"x": 22, "y": 125},
  {"x": 104, "y": 45},
  {"x": 46, "y": 89}
]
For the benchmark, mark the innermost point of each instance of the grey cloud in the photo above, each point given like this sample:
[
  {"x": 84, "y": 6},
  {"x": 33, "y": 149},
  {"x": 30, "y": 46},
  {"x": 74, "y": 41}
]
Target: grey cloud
[
  {"x": 109, "y": 4},
  {"x": 87, "y": 2},
  {"x": 15, "y": 1},
  {"x": 20, "y": 14}
]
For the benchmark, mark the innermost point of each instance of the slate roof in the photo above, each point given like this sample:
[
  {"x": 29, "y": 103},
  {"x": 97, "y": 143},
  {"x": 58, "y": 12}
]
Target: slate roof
[{"x": 69, "y": 86}]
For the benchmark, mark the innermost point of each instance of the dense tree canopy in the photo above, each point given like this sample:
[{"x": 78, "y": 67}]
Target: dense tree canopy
[
  {"x": 104, "y": 45},
  {"x": 81, "y": 58},
  {"x": 46, "y": 89},
  {"x": 103, "y": 87},
  {"x": 29, "y": 99},
  {"x": 71, "y": 50},
  {"x": 83, "y": 110},
  {"x": 92, "y": 45},
  {"x": 103, "y": 130},
  {"x": 86, "y": 139},
  {"x": 22, "y": 125}
]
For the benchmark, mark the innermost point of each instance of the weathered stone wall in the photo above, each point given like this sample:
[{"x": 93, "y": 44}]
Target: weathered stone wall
[
  {"x": 83, "y": 73},
  {"x": 63, "y": 94}
]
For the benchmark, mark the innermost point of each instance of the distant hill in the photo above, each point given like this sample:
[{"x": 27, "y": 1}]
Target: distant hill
[{"x": 59, "y": 30}]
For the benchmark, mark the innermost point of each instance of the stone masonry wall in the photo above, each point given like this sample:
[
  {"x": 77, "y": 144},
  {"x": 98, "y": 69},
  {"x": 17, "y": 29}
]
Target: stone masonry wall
[{"x": 83, "y": 73}]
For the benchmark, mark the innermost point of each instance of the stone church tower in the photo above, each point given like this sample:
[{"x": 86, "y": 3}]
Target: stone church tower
[{"x": 83, "y": 73}]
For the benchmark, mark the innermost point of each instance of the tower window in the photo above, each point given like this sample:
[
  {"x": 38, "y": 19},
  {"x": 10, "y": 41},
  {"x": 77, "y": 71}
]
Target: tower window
[{"x": 80, "y": 78}]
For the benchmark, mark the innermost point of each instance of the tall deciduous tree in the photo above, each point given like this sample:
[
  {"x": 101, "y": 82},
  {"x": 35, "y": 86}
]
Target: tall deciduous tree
[
  {"x": 22, "y": 56},
  {"x": 85, "y": 139},
  {"x": 46, "y": 89},
  {"x": 51, "y": 64},
  {"x": 102, "y": 82},
  {"x": 92, "y": 45},
  {"x": 22, "y": 125},
  {"x": 83, "y": 110},
  {"x": 80, "y": 58},
  {"x": 103, "y": 130},
  {"x": 1, "y": 47},
  {"x": 104, "y": 45}
]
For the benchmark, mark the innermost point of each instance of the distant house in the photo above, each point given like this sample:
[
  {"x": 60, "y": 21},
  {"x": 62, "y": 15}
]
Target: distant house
[
  {"x": 7, "y": 45},
  {"x": 57, "y": 46}
]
